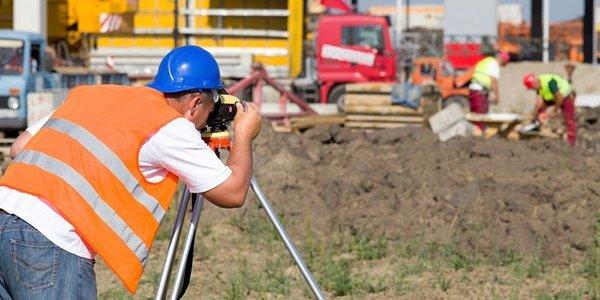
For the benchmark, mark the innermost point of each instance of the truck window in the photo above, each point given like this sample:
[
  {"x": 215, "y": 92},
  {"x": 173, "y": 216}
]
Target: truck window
[
  {"x": 371, "y": 36},
  {"x": 11, "y": 56},
  {"x": 35, "y": 57},
  {"x": 447, "y": 69}
]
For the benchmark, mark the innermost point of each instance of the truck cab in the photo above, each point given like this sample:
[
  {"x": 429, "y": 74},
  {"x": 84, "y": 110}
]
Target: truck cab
[
  {"x": 22, "y": 70},
  {"x": 25, "y": 69},
  {"x": 351, "y": 48}
]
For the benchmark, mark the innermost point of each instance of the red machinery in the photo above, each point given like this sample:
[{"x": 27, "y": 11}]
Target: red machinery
[
  {"x": 463, "y": 55},
  {"x": 349, "y": 48}
]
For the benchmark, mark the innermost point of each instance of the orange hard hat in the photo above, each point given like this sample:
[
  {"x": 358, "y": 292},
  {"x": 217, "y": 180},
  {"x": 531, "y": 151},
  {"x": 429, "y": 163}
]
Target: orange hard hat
[{"x": 528, "y": 80}]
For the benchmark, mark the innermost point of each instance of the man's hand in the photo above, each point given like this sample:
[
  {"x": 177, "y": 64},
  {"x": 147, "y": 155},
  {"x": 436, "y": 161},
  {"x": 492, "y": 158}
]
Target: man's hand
[
  {"x": 246, "y": 127},
  {"x": 247, "y": 122},
  {"x": 495, "y": 100}
]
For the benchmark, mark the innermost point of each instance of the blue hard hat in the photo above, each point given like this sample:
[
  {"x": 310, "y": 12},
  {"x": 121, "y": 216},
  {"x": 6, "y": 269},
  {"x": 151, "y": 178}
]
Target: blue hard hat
[{"x": 187, "y": 68}]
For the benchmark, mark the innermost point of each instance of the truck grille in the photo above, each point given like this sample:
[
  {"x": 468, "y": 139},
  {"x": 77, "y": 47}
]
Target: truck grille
[{"x": 4, "y": 102}]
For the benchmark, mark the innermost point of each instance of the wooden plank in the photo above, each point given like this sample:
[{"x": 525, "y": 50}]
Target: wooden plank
[
  {"x": 376, "y": 118},
  {"x": 367, "y": 99},
  {"x": 374, "y": 125},
  {"x": 510, "y": 128},
  {"x": 370, "y": 87},
  {"x": 281, "y": 127},
  {"x": 493, "y": 118},
  {"x": 299, "y": 123},
  {"x": 382, "y": 110}
]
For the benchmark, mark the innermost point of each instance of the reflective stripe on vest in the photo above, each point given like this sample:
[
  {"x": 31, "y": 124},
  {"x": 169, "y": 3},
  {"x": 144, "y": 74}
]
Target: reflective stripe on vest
[
  {"x": 481, "y": 72},
  {"x": 87, "y": 192},
  {"x": 564, "y": 87},
  {"x": 111, "y": 161}
]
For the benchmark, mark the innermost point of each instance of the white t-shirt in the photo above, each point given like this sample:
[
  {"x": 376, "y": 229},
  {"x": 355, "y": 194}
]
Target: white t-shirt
[
  {"x": 493, "y": 71},
  {"x": 176, "y": 147}
]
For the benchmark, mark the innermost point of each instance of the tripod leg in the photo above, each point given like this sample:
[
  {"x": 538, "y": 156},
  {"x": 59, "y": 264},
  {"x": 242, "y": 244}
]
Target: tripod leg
[
  {"x": 161, "y": 292},
  {"x": 286, "y": 239},
  {"x": 187, "y": 247}
]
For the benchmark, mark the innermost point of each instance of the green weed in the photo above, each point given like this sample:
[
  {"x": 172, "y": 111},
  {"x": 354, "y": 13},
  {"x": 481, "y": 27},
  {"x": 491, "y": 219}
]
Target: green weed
[
  {"x": 441, "y": 283},
  {"x": 535, "y": 267},
  {"x": 563, "y": 295},
  {"x": 255, "y": 229},
  {"x": 367, "y": 248},
  {"x": 270, "y": 279},
  {"x": 591, "y": 269},
  {"x": 503, "y": 258},
  {"x": 337, "y": 278},
  {"x": 115, "y": 293}
]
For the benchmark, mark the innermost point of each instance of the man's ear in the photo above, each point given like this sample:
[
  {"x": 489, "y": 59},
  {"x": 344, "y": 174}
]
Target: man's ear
[{"x": 194, "y": 103}]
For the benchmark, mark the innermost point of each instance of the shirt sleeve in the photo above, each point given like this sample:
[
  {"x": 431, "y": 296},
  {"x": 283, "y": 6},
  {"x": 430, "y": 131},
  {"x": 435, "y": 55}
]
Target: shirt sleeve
[
  {"x": 35, "y": 127},
  {"x": 179, "y": 148},
  {"x": 495, "y": 70}
]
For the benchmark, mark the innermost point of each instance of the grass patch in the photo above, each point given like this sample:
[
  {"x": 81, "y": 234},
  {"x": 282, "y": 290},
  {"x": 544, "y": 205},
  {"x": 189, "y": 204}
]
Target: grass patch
[
  {"x": 447, "y": 255},
  {"x": 115, "y": 293},
  {"x": 535, "y": 267},
  {"x": 442, "y": 283},
  {"x": 270, "y": 279},
  {"x": 503, "y": 258},
  {"x": 563, "y": 295},
  {"x": 367, "y": 248},
  {"x": 336, "y": 277},
  {"x": 255, "y": 230},
  {"x": 591, "y": 269}
]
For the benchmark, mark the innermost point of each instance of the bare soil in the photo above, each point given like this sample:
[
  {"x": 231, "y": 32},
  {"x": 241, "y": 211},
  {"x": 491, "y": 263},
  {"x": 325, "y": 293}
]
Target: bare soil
[
  {"x": 398, "y": 214},
  {"x": 402, "y": 184}
]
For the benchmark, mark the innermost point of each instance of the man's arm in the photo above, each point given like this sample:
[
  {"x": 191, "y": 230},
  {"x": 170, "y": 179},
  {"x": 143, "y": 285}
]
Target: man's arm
[
  {"x": 19, "y": 143},
  {"x": 558, "y": 99},
  {"x": 496, "y": 90},
  {"x": 540, "y": 106},
  {"x": 232, "y": 192},
  {"x": 26, "y": 135}
]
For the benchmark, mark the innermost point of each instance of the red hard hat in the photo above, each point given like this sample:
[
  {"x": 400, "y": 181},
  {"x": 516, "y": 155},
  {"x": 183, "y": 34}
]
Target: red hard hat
[
  {"x": 528, "y": 80},
  {"x": 504, "y": 57}
]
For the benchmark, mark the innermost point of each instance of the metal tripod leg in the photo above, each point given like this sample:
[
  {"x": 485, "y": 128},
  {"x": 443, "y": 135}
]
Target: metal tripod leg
[
  {"x": 188, "y": 246},
  {"x": 166, "y": 273},
  {"x": 286, "y": 239}
]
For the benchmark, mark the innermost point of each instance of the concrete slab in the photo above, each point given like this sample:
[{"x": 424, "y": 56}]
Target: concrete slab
[{"x": 587, "y": 100}]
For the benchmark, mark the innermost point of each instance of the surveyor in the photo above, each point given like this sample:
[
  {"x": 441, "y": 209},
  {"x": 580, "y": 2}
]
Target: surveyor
[
  {"x": 485, "y": 80},
  {"x": 98, "y": 176},
  {"x": 555, "y": 92}
]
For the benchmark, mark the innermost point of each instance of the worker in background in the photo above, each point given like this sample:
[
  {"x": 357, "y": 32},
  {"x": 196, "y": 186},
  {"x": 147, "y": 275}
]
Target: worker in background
[
  {"x": 98, "y": 176},
  {"x": 485, "y": 80},
  {"x": 553, "y": 92}
]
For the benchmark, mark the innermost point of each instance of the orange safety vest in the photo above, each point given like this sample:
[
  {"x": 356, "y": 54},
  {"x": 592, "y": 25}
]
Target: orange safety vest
[{"x": 84, "y": 164}]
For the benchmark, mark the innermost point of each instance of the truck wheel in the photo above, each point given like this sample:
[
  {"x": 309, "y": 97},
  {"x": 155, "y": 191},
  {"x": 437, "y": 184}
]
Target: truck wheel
[
  {"x": 336, "y": 95},
  {"x": 460, "y": 100}
]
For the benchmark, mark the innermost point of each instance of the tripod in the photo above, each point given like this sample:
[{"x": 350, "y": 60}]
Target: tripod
[{"x": 217, "y": 141}]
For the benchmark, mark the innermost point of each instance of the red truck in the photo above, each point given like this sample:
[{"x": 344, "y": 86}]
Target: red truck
[
  {"x": 354, "y": 48},
  {"x": 348, "y": 48}
]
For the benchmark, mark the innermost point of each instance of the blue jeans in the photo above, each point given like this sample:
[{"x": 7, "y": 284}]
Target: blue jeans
[{"x": 32, "y": 267}]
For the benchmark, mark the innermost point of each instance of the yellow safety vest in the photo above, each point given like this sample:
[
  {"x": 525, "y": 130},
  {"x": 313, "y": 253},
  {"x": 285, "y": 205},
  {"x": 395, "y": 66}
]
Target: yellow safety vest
[
  {"x": 482, "y": 71},
  {"x": 564, "y": 87}
]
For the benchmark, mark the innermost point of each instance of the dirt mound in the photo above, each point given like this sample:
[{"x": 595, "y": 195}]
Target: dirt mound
[{"x": 492, "y": 196}]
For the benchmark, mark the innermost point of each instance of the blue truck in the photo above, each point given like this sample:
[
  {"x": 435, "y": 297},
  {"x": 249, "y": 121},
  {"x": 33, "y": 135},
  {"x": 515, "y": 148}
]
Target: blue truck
[{"x": 26, "y": 68}]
